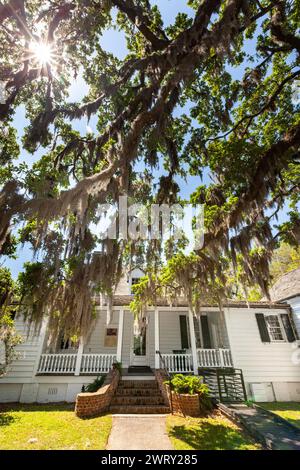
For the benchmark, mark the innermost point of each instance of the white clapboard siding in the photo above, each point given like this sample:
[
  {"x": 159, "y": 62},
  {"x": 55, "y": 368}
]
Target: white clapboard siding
[
  {"x": 27, "y": 352},
  {"x": 123, "y": 287},
  {"x": 151, "y": 341},
  {"x": 260, "y": 362},
  {"x": 295, "y": 304},
  {"x": 169, "y": 331},
  {"x": 127, "y": 338},
  {"x": 95, "y": 343}
]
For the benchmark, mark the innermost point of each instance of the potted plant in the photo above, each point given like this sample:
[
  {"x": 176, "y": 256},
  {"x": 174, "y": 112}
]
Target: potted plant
[{"x": 189, "y": 395}]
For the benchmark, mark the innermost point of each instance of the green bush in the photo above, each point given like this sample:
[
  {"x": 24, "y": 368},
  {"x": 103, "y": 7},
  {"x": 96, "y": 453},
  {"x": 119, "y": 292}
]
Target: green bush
[
  {"x": 94, "y": 386},
  {"x": 191, "y": 385}
]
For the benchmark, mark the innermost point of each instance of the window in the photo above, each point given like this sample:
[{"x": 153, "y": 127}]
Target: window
[
  {"x": 184, "y": 332},
  {"x": 134, "y": 280},
  {"x": 274, "y": 328}
]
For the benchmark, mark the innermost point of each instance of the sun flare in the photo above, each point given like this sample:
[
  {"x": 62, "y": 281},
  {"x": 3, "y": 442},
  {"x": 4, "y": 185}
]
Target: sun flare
[{"x": 42, "y": 52}]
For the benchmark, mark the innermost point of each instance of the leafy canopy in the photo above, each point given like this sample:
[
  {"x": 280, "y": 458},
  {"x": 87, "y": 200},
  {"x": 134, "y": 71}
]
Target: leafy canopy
[{"x": 172, "y": 105}]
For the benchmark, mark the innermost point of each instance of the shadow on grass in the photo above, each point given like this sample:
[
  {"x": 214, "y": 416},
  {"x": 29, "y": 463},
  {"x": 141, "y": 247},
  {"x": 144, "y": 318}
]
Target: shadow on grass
[
  {"x": 9, "y": 412},
  {"x": 208, "y": 436},
  {"x": 6, "y": 419},
  {"x": 41, "y": 407}
]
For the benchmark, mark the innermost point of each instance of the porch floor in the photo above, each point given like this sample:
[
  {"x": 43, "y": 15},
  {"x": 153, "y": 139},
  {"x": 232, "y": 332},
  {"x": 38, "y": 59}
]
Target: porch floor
[{"x": 139, "y": 370}]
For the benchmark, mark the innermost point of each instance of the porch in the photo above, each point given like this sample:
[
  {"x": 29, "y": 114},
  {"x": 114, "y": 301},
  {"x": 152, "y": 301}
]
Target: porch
[
  {"x": 183, "y": 342},
  {"x": 95, "y": 364}
]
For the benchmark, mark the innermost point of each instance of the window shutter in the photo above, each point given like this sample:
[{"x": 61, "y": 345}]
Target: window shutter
[
  {"x": 197, "y": 331},
  {"x": 205, "y": 332},
  {"x": 184, "y": 332},
  {"x": 262, "y": 326},
  {"x": 289, "y": 330}
]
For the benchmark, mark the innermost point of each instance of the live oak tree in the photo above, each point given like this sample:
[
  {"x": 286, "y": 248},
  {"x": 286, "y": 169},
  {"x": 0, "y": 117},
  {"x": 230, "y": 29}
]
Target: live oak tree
[
  {"x": 285, "y": 258},
  {"x": 9, "y": 338},
  {"x": 172, "y": 103}
]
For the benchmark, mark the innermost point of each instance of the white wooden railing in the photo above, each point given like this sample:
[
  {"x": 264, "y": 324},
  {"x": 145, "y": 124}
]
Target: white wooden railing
[
  {"x": 178, "y": 362},
  {"x": 214, "y": 358},
  {"x": 183, "y": 363},
  {"x": 97, "y": 363},
  {"x": 57, "y": 364},
  {"x": 66, "y": 363}
]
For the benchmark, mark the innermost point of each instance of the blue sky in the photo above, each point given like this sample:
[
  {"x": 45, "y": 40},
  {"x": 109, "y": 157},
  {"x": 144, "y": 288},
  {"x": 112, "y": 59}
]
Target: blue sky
[{"x": 112, "y": 41}]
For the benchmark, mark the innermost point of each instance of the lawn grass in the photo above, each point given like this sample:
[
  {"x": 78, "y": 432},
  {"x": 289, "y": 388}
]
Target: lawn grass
[
  {"x": 50, "y": 427},
  {"x": 287, "y": 410},
  {"x": 212, "y": 433}
]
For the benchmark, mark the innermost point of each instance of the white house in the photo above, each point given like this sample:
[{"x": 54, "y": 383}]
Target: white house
[
  {"x": 257, "y": 338},
  {"x": 287, "y": 290}
]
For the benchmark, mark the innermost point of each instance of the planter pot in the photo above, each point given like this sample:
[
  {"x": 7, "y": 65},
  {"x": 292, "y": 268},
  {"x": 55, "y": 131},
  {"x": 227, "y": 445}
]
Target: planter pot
[{"x": 185, "y": 404}]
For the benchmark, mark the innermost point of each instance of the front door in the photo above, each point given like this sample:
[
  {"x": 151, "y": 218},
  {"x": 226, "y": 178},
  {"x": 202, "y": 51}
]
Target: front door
[{"x": 140, "y": 356}]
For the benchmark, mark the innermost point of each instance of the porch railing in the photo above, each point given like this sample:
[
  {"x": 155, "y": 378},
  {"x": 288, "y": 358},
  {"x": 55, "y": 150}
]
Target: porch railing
[
  {"x": 214, "y": 358},
  {"x": 183, "y": 363},
  {"x": 97, "y": 363},
  {"x": 66, "y": 363},
  {"x": 178, "y": 363},
  {"x": 57, "y": 364}
]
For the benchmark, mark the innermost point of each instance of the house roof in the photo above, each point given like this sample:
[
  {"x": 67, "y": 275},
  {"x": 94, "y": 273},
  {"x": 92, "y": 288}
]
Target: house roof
[
  {"x": 287, "y": 287},
  {"x": 124, "y": 300}
]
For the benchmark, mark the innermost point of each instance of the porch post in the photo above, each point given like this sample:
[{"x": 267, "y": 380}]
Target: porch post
[
  {"x": 193, "y": 342},
  {"x": 42, "y": 336},
  {"x": 79, "y": 357},
  {"x": 156, "y": 337},
  {"x": 120, "y": 335}
]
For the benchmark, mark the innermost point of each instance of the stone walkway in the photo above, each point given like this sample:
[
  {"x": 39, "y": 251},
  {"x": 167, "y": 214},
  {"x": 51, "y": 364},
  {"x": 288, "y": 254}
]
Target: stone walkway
[
  {"x": 273, "y": 432},
  {"x": 139, "y": 432}
]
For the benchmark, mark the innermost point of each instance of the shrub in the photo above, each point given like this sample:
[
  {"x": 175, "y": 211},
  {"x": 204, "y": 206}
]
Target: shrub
[
  {"x": 94, "y": 386},
  {"x": 191, "y": 384}
]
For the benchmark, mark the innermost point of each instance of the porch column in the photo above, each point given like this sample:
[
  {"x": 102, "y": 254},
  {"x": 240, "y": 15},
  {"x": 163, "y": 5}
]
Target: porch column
[
  {"x": 120, "y": 335},
  {"x": 42, "y": 336},
  {"x": 79, "y": 357},
  {"x": 193, "y": 343},
  {"x": 156, "y": 337}
]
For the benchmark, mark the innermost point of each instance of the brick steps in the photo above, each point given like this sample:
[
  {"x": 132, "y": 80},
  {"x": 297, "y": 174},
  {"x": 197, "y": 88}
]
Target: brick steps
[
  {"x": 136, "y": 392},
  {"x": 138, "y": 397},
  {"x": 139, "y": 409},
  {"x": 153, "y": 400},
  {"x": 138, "y": 384}
]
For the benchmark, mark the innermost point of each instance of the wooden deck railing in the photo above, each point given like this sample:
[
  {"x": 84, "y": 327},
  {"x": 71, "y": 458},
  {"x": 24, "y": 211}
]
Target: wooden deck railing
[
  {"x": 66, "y": 363},
  {"x": 57, "y": 364},
  {"x": 97, "y": 363},
  {"x": 208, "y": 358},
  {"x": 214, "y": 358},
  {"x": 178, "y": 363}
]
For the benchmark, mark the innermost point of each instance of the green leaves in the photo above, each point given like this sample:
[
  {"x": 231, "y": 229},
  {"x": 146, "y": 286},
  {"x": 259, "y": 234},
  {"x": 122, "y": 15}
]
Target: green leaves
[{"x": 210, "y": 96}]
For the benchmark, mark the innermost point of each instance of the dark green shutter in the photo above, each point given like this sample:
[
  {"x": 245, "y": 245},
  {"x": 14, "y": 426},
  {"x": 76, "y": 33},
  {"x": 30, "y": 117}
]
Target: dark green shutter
[
  {"x": 205, "y": 332},
  {"x": 289, "y": 330},
  {"x": 184, "y": 332},
  {"x": 197, "y": 331},
  {"x": 262, "y": 326}
]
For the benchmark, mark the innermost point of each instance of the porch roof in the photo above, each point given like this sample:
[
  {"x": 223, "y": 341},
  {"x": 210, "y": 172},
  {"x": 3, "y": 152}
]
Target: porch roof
[{"x": 124, "y": 300}]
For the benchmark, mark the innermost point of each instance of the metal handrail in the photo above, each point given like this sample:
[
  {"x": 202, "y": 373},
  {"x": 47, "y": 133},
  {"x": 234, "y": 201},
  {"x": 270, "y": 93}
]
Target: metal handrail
[{"x": 162, "y": 361}]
